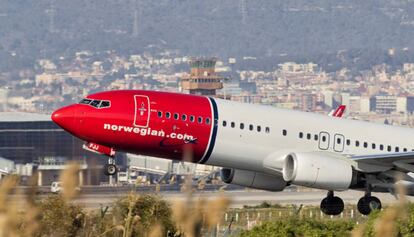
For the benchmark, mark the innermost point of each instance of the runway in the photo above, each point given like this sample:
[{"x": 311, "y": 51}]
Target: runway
[
  {"x": 93, "y": 197},
  {"x": 239, "y": 198}
]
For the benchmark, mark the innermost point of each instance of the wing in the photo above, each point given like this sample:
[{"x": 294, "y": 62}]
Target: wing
[
  {"x": 390, "y": 164},
  {"x": 387, "y": 159}
]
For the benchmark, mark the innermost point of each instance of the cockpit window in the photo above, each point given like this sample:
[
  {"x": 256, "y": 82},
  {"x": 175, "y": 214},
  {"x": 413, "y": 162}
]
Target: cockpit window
[
  {"x": 105, "y": 104},
  {"x": 96, "y": 103},
  {"x": 85, "y": 101}
]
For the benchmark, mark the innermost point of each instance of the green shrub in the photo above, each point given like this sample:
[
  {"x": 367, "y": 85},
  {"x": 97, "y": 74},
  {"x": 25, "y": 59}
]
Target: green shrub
[
  {"x": 262, "y": 205},
  {"x": 397, "y": 220},
  {"x": 145, "y": 211},
  {"x": 301, "y": 227},
  {"x": 59, "y": 218}
]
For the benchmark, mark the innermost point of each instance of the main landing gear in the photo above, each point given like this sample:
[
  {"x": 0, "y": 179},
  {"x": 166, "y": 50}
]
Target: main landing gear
[
  {"x": 333, "y": 205},
  {"x": 110, "y": 168},
  {"x": 368, "y": 203}
]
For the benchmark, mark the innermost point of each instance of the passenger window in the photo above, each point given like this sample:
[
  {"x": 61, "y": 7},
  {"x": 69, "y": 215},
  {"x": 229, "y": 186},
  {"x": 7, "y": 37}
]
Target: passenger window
[
  {"x": 308, "y": 136},
  {"x": 176, "y": 116},
  {"x": 348, "y": 142},
  {"x": 224, "y": 123},
  {"x": 159, "y": 114},
  {"x": 365, "y": 144},
  {"x": 105, "y": 104},
  {"x": 259, "y": 129},
  {"x": 232, "y": 124},
  {"x": 168, "y": 115},
  {"x": 267, "y": 129},
  {"x": 192, "y": 118},
  {"x": 373, "y": 146},
  {"x": 381, "y": 147},
  {"x": 397, "y": 149},
  {"x": 251, "y": 127},
  {"x": 357, "y": 143},
  {"x": 315, "y": 137},
  {"x": 338, "y": 140},
  {"x": 324, "y": 138},
  {"x": 389, "y": 148},
  {"x": 184, "y": 117},
  {"x": 405, "y": 149},
  {"x": 207, "y": 120},
  {"x": 200, "y": 119},
  {"x": 301, "y": 135},
  {"x": 241, "y": 125},
  {"x": 284, "y": 132}
]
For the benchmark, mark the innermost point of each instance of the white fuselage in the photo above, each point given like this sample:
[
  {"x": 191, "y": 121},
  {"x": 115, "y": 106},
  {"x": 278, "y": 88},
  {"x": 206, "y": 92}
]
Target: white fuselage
[{"x": 248, "y": 149}]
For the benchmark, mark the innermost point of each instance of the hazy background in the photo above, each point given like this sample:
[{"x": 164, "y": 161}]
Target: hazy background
[{"x": 329, "y": 33}]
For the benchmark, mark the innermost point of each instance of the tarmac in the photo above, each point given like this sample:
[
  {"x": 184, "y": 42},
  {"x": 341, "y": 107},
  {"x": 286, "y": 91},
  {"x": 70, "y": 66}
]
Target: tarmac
[
  {"x": 93, "y": 197},
  {"x": 240, "y": 198}
]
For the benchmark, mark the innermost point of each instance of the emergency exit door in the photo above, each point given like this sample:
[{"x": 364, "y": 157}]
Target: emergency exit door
[{"x": 142, "y": 111}]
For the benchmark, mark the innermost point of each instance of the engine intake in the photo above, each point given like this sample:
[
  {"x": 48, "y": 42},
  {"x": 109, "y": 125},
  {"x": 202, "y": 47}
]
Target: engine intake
[
  {"x": 252, "y": 179},
  {"x": 319, "y": 170}
]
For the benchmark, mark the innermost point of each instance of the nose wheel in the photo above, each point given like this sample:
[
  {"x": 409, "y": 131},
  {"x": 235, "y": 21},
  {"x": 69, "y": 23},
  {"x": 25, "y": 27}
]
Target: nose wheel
[
  {"x": 110, "y": 168},
  {"x": 332, "y": 205}
]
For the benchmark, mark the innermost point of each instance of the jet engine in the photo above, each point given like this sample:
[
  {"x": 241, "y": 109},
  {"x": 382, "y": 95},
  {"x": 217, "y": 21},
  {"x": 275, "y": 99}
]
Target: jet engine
[
  {"x": 320, "y": 170},
  {"x": 252, "y": 179}
]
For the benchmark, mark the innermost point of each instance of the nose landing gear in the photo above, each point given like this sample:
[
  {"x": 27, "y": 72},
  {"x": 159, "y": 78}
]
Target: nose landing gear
[
  {"x": 332, "y": 205},
  {"x": 110, "y": 168}
]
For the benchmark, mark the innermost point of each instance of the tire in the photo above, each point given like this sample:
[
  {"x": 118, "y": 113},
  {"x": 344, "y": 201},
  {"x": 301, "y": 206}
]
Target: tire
[
  {"x": 375, "y": 203},
  {"x": 367, "y": 204},
  {"x": 332, "y": 205},
  {"x": 110, "y": 169}
]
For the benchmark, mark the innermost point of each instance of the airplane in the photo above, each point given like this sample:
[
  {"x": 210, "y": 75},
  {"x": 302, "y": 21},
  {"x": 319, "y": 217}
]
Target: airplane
[{"x": 257, "y": 146}]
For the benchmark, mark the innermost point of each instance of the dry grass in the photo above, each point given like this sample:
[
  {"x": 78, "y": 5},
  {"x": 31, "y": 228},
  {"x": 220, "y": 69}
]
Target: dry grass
[
  {"x": 133, "y": 215},
  {"x": 193, "y": 216},
  {"x": 142, "y": 215},
  {"x": 70, "y": 181},
  {"x": 386, "y": 223}
]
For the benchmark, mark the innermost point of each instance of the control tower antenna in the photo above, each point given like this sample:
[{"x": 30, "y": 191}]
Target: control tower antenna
[
  {"x": 243, "y": 10},
  {"x": 135, "y": 25},
  {"x": 52, "y": 13}
]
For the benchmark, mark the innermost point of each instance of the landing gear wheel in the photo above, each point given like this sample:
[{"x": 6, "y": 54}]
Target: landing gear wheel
[
  {"x": 110, "y": 169},
  {"x": 367, "y": 204},
  {"x": 332, "y": 205}
]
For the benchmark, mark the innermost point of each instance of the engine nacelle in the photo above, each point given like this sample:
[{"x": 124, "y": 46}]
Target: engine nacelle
[
  {"x": 252, "y": 179},
  {"x": 319, "y": 170}
]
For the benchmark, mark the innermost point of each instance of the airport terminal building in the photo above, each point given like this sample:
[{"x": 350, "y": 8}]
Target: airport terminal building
[{"x": 34, "y": 143}]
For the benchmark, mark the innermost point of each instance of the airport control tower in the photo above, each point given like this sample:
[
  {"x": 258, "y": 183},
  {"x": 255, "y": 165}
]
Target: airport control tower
[{"x": 203, "y": 78}]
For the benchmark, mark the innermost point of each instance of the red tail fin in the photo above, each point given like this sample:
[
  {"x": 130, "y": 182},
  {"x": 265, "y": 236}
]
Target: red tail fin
[{"x": 339, "y": 111}]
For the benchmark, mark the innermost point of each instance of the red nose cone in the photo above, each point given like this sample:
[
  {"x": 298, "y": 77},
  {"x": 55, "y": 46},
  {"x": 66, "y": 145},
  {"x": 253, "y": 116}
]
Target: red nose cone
[{"x": 65, "y": 118}]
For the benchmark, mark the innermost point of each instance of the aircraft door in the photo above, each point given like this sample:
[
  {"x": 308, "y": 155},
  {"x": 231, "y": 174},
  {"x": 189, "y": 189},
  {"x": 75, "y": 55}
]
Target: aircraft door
[
  {"x": 142, "y": 111},
  {"x": 339, "y": 141},
  {"x": 323, "y": 140}
]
